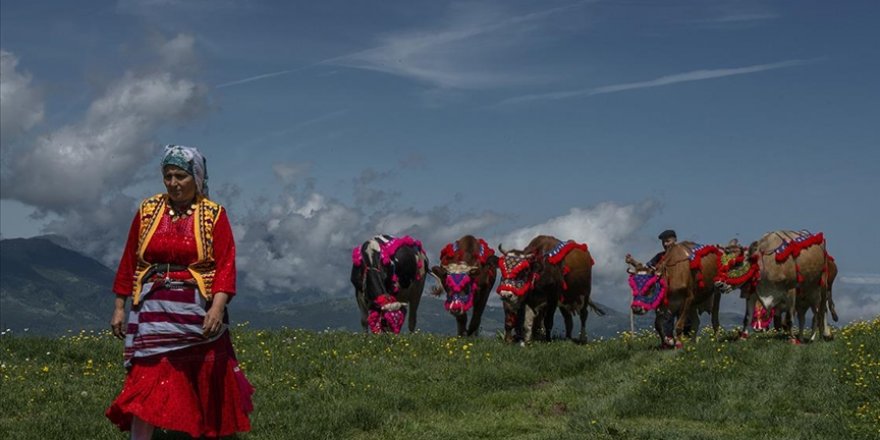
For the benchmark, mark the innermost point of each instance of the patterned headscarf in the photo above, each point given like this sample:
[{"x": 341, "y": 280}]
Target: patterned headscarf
[{"x": 190, "y": 160}]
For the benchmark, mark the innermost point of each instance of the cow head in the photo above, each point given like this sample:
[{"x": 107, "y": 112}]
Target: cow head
[
  {"x": 460, "y": 281},
  {"x": 737, "y": 269},
  {"x": 519, "y": 271}
]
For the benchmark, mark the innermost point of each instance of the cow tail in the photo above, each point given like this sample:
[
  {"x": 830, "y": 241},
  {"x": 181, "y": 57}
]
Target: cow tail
[
  {"x": 595, "y": 308},
  {"x": 826, "y": 280}
]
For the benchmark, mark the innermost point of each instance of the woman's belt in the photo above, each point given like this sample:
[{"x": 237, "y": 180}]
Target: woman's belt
[{"x": 158, "y": 272}]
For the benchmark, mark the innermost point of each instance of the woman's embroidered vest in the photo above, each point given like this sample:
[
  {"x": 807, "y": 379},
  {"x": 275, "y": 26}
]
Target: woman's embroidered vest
[{"x": 204, "y": 218}]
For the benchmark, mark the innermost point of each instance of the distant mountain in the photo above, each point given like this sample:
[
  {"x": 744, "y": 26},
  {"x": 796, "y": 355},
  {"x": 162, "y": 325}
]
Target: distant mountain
[{"x": 50, "y": 289}]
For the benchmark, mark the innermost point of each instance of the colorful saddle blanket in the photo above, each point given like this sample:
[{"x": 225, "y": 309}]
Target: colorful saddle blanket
[
  {"x": 793, "y": 243},
  {"x": 558, "y": 253}
]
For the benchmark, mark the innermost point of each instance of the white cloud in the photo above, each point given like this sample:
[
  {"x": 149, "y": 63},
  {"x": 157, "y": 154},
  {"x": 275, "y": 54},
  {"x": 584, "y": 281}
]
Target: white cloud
[
  {"x": 461, "y": 53},
  {"x": 304, "y": 240},
  {"x": 178, "y": 54},
  {"x": 609, "y": 229},
  {"x": 80, "y": 170},
  {"x": 869, "y": 279},
  {"x": 695, "y": 75},
  {"x": 21, "y": 106},
  {"x": 855, "y": 302},
  {"x": 475, "y": 46},
  {"x": 74, "y": 166}
]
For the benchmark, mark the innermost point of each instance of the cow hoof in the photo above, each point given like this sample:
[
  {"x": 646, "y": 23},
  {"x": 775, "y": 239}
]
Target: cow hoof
[{"x": 828, "y": 337}]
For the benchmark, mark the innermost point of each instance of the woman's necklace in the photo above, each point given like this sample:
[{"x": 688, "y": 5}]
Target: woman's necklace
[{"x": 176, "y": 213}]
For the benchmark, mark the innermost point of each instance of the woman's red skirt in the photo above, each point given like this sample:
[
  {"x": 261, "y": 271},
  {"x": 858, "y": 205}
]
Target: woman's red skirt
[{"x": 197, "y": 390}]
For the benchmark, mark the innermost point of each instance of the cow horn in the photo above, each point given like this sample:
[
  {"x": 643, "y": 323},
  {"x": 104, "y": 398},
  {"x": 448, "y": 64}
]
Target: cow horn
[
  {"x": 439, "y": 281},
  {"x": 501, "y": 248}
]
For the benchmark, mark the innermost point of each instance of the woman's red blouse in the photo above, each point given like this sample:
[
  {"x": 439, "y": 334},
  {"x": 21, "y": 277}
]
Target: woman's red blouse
[{"x": 174, "y": 242}]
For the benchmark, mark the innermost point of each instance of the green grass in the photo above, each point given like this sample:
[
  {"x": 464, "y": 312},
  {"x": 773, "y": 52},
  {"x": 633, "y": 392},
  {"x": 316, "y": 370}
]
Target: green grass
[{"x": 341, "y": 385}]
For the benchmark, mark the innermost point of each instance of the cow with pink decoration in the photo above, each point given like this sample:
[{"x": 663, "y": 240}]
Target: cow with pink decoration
[
  {"x": 388, "y": 274},
  {"x": 547, "y": 274},
  {"x": 467, "y": 273}
]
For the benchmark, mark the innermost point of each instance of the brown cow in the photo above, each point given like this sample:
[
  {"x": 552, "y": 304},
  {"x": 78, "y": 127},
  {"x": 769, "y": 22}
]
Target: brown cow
[
  {"x": 546, "y": 274},
  {"x": 467, "y": 273},
  {"x": 793, "y": 272},
  {"x": 687, "y": 270}
]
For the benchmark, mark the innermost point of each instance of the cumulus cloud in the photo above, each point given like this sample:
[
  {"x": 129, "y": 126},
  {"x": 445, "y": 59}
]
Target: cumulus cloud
[
  {"x": 870, "y": 279},
  {"x": 21, "y": 106},
  {"x": 77, "y": 164},
  {"x": 303, "y": 240},
  {"x": 856, "y": 302},
  {"x": 609, "y": 229},
  {"x": 79, "y": 170}
]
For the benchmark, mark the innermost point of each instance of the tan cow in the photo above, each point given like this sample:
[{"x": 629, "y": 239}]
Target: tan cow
[
  {"x": 793, "y": 272},
  {"x": 688, "y": 271}
]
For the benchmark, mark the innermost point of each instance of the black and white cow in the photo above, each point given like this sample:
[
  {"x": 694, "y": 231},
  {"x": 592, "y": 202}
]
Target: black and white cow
[{"x": 388, "y": 274}]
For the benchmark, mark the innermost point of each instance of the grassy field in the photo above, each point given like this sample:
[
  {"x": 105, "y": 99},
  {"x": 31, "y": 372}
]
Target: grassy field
[{"x": 352, "y": 386}]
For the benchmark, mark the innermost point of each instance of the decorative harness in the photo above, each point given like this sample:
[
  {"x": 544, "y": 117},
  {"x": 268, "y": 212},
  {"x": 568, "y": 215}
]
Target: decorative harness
[
  {"x": 512, "y": 265},
  {"x": 649, "y": 290}
]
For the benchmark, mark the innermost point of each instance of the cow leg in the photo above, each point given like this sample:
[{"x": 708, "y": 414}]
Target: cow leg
[
  {"x": 716, "y": 307},
  {"x": 412, "y": 316},
  {"x": 749, "y": 315},
  {"x": 509, "y": 325},
  {"x": 569, "y": 324},
  {"x": 364, "y": 309},
  {"x": 823, "y": 313},
  {"x": 547, "y": 315},
  {"x": 663, "y": 323},
  {"x": 683, "y": 315},
  {"x": 693, "y": 326},
  {"x": 583, "y": 316},
  {"x": 528, "y": 323},
  {"x": 791, "y": 309},
  {"x": 476, "y": 317},
  {"x": 461, "y": 323}
]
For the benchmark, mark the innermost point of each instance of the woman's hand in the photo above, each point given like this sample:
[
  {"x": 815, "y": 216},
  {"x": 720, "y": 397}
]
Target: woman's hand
[
  {"x": 214, "y": 317},
  {"x": 117, "y": 320}
]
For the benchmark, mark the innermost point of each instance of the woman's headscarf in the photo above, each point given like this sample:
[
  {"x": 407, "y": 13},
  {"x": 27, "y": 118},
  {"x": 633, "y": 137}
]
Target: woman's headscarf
[{"x": 190, "y": 160}]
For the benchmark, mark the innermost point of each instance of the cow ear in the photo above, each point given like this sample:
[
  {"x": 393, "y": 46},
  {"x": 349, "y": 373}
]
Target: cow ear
[
  {"x": 439, "y": 271},
  {"x": 474, "y": 272}
]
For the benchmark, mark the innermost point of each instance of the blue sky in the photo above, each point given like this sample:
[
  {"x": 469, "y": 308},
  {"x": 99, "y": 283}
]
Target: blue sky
[{"x": 324, "y": 123}]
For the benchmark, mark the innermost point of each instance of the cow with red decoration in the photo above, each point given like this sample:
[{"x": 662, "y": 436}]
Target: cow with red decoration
[
  {"x": 787, "y": 270},
  {"x": 388, "y": 274},
  {"x": 467, "y": 273},
  {"x": 678, "y": 290},
  {"x": 547, "y": 274}
]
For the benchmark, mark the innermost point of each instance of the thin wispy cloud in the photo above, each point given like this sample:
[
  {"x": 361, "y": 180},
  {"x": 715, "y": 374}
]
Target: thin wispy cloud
[
  {"x": 870, "y": 279},
  {"x": 738, "y": 18},
  {"x": 449, "y": 55},
  {"x": 695, "y": 75},
  {"x": 262, "y": 76}
]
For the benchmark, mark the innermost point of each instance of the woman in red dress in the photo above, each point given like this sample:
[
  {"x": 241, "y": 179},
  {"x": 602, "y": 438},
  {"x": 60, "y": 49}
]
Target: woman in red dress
[{"x": 178, "y": 267}]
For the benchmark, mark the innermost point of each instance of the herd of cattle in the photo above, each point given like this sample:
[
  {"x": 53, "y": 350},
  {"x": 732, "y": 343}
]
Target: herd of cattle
[{"x": 787, "y": 272}]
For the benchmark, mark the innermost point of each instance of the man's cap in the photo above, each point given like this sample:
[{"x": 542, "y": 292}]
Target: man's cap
[{"x": 669, "y": 233}]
